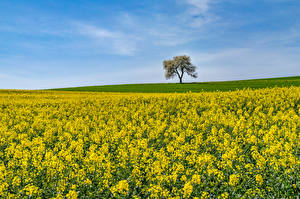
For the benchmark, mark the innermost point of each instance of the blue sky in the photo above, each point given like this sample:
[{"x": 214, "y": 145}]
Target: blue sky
[{"x": 62, "y": 43}]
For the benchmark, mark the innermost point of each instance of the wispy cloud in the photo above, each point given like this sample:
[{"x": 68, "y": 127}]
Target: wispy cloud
[
  {"x": 115, "y": 41},
  {"x": 46, "y": 45},
  {"x": 134, "y": 32},
  {"x": 98, "y": 32},
  {"x": 287, "y": 37},
  {"x": 199, "y": 13},
  {"x": 244, "y": 63},
  {"x": 199, "y": 6}
]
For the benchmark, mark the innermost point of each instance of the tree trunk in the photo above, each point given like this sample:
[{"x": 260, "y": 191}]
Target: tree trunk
[{"x": 180, "y": 80}]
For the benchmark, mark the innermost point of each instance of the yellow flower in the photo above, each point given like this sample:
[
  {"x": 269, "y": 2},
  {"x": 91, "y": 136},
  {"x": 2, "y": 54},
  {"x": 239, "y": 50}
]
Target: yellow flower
[
  {"x": 31, "y": 190},
  {"x": 165, "y": 144},
  {"x": 204, "y": 195},
  {"x": 196, "y": 179},
  {"x": 73, "y": 186},
  {"x": 259, "y": 179},
  {"x": 72, "y": 194},
  {"x": 88, "y": 182},
  {"x": 233, "y": 179},
  {"x": 187, "y": 190},
  {"x": 225, "y": 195},
  {"x": 183, "y": 178},
  {"x": 16, "y": 181},
  {"x": 122, "y": 187}
]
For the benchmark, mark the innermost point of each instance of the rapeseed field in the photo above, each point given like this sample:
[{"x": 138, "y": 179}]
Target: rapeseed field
[{"x": 240, "y": 144}]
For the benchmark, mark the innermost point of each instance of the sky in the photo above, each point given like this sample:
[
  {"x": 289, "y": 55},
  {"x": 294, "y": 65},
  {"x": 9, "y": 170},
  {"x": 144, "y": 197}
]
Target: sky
[{"x": 64, "y": 43}]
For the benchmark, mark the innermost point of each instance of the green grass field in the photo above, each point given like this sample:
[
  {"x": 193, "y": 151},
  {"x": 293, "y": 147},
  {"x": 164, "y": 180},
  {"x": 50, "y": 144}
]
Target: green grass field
[{"x": 193, "y": 87}]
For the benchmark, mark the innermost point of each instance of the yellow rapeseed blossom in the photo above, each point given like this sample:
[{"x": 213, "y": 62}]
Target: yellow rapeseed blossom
[
  {"x": 259, "y": 179},
  {"x": 204, "y": 195},
  {"x": 121, "y": 187},
  {"x": 225, "y": 195},
  {"x": 130, "y": 145},
  {"x": 72, "y": 194},
  {"x": 233, "y": 179},
  {"x": 187, "y": 190}
]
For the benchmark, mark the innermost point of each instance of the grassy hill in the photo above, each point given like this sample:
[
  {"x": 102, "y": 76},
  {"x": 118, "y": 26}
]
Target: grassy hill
[{"x": 193, "y": 87}]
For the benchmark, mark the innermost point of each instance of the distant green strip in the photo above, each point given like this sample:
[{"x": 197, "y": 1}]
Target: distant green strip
[{"x": 193, "y": 87}]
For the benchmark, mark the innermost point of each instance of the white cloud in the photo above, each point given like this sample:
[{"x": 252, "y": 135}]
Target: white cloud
[
  {"x": 245, "y": 63},
  {"x": 98, "y": 32},
  {"x": 280, "y": 38},
  {"x": 116, "y": 42},
  {"x": 199, "y": 12},
  {"x": 199, "y": 6}
]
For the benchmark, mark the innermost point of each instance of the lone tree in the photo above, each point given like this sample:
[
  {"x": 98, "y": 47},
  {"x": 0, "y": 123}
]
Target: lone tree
[{"x": 178, "y": 66}]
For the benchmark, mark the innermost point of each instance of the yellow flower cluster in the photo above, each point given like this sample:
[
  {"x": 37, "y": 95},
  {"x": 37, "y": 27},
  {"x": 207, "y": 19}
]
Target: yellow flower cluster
[{"x": 239, "y": 144}]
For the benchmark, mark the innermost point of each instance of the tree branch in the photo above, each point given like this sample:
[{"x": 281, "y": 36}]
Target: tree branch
[{"x": 178, "y": 73}]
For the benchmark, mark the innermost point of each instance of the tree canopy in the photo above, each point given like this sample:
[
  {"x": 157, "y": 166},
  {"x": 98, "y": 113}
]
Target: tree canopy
[{"x": 178, "y": 66}]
